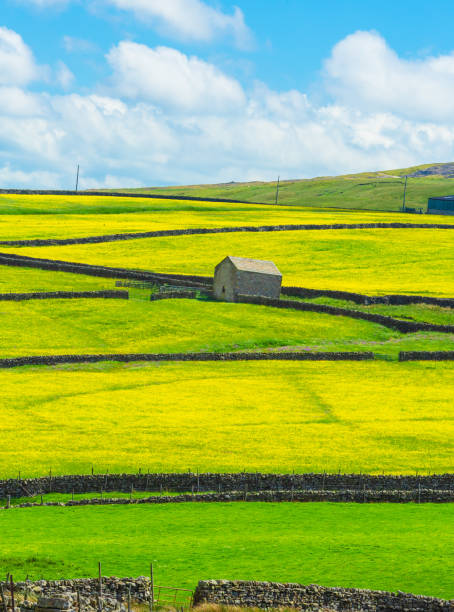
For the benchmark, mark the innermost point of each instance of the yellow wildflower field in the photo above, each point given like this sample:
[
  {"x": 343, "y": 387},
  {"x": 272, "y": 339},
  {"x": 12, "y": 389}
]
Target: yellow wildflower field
[
  {"x": 280, "y": 416},
  {"x": 377, "y": 261},
  {"x": 48, "y": 216}
]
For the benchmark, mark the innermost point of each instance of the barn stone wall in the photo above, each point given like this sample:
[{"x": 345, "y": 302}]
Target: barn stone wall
[{"x": 258, "y": 284}]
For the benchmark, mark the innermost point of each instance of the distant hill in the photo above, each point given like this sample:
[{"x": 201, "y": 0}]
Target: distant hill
[
  {"x": 377, "y": 190},
  {"x": 446, "y": 170}
]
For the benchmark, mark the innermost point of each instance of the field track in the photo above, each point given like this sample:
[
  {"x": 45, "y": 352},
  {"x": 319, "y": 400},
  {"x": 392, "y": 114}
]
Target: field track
[{"x": 219, "y": 230}]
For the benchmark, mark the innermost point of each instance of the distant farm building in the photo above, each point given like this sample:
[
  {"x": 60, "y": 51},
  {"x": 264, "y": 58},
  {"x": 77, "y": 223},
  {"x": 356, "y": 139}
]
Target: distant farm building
[
  {"x": 441, "y": 206},
  {"x": 235, "y": 276}
]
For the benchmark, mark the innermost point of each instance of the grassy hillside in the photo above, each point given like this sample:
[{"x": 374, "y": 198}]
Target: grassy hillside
[
  {"x": 384, "y": 546},
  {"x": 376, "y": 261},
  {"x": 88, "y": 326},
  {"x": 267, "y": 416},
  {"x": 92, "y": 326},
  {"x": 367, "y": 190}
]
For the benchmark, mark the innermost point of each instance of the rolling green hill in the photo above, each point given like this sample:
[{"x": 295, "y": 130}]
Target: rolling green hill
[{"x": 381, "y": 190}]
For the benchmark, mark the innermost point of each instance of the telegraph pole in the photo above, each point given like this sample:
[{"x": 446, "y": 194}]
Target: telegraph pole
[
  {"x": 77, "y": 177},
  {"x": 277, "y": 189},
  {"x": 405, "y": 191}
]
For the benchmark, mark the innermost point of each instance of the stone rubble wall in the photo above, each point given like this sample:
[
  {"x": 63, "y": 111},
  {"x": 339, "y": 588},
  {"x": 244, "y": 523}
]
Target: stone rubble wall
[
  {"x": 117, "y": 194},
  {"x": 23, "y": 261},
  {"x": 116, "y": 588},
  {"x": 441, "y": 484},
  {"x": 342, "y": 496},
  {"x": 366, "y": 300},
  {"x": 13, "y": 259},
  {"x": 58, "y": 295},
  {"x": 426, "y": 356},
  {"x": 267, "y": 595},
  {"x": 404, "y": 327},
  {"x": 49, "y": 360},
  {"x": 219, "y": 230}
]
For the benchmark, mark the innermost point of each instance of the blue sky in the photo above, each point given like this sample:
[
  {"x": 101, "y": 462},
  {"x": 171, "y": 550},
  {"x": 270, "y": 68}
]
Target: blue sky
[{"x": 156, "y": 92}]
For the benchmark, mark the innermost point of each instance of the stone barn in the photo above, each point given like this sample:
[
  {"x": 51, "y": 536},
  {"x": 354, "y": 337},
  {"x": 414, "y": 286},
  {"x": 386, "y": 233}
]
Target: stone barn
[{"x": 235, "y": 276}]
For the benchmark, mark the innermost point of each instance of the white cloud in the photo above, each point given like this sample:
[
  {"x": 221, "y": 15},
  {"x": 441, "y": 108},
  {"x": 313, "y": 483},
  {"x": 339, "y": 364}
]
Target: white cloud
[
  {"x": 169, "y": 118},
  {"x": 10, "y": 178},
  {"x": 16, "y": 101},
  {"x": 44, "y": 3},
  {"x": 73, "y": 44},
  {"x": 190, "y": 19},
  {"x": 170, "y": 78},
  {"x": 17, "y": 64},
  {"x": 363, "y": 71},
  {"x": 65, "y": 78}
]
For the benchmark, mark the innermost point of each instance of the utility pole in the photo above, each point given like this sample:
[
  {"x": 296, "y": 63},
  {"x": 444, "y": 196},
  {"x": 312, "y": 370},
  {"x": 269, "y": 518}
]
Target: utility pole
[
  {"x": 77, "y": 177},
  {"x": 405, "y": 191},
  {"x": 277, "y": 189}
]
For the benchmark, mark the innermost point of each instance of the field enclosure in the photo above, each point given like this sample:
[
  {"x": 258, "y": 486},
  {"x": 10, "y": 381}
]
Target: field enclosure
[
  {"x": 74, "y": 216},
  {"x": 377, "y": 416},
  {"x": 373, "y": 261}
]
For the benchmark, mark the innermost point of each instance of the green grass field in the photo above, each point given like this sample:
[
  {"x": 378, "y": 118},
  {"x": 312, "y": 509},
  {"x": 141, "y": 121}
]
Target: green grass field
[
  {"x": 377, "y": 261},
  {"x": 367, "y": 190},
  {"x": 267, "y": 416},
  {"x": 49, "y": 327},
  {"x": 26, "y": 280},
  {"x": 41, "y": 327},
  {"x": 383, "y": 546}
]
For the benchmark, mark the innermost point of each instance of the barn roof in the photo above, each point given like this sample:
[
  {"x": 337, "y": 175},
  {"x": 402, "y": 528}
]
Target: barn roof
[{"x": 254, "y": 265}]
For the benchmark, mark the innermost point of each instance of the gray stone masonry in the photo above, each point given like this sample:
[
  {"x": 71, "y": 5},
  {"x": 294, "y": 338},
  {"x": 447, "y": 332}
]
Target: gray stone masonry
[
  {"x": 222, "y": 483},
  {"x": 312, "y": 597},
  {"x": 240, "y": 275}
]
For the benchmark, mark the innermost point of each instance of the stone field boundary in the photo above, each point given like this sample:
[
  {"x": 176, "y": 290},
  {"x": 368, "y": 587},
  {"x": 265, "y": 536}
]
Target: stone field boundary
[
  {"x": 58, "y": 295},
  {"x": 268, "y": 595},
  {"x": 404, "y": 327},
  {"x": 420, "y": 496},
  {"x": 264, "y": 595},
  {"x": 191, "y": 280},
  {"x": 117, "y": 194},
  {"x": 37, "y": 242},
  {"x": 240, "y": 482},
  {"x": 426, "y": 356},
  {"x": 49, "y": 360},
  {"x": 205, "y": 282}
]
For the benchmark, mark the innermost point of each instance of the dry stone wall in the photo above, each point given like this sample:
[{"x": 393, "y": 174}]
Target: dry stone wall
[
  {"x": 312, "y": 597},
  {"x": 117, "y": 194},
  {"x": 54, "y": 295},
  {"x": 426, "y": 356},
  {"x": 401, "y": 326},
  {"x": 360, "y": 298},
  {"x": 220, "y": 230},
  {"x": 418, "y": 496},
  {"x": 117, "y": 588},
  {"x": 224, "y": 483},
  {"x": 15, "y": 362}
]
